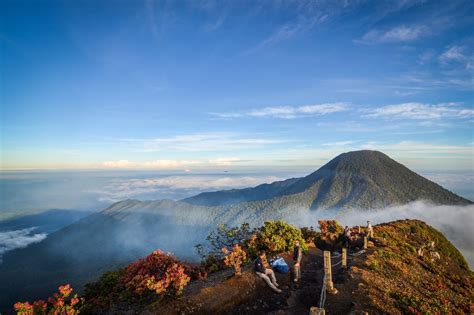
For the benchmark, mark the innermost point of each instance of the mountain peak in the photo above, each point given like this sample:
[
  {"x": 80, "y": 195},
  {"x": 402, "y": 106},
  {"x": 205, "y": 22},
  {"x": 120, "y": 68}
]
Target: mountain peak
[
  {"x": 361, "y": 158},
  {"x": 364, "y": 179}
]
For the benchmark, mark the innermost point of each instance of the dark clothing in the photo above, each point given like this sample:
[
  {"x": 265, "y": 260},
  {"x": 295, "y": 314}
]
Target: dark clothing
[
  {"x": 297, "y": 255},
  {"x": 346, "y": 241},
  {"x": 259, "y": 266}
]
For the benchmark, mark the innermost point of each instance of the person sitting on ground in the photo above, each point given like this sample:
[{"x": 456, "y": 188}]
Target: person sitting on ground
[
  {"x": 297, "y": 255},
  {"x": 370, "y": 230},
  {"x": 264, "y": 271},
  {"x": 347, "y": 236}
]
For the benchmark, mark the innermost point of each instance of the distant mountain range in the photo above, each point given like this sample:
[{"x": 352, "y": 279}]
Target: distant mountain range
[{"x": 131, "y": 229}]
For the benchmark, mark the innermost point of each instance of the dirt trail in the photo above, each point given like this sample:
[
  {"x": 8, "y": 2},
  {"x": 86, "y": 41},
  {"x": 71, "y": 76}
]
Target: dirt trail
[
  {"x": 306, "y": 294},
  {"x": 298, "y": 298},
  {"x": 248, "y": 294}
]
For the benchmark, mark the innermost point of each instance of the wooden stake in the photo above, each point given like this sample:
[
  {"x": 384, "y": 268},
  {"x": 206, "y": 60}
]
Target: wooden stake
[
  {"x": 344, "y": 257},
  {"x": 365, "y": 242},
  {"x": 316, "y": 311},
  {"x": 328, "y": 271}
]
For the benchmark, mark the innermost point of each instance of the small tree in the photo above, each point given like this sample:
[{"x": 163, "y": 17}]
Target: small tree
[
  {"x": 279, "y": 236},
  {"x": 227, "y": 237},
  {"x": 235, "y": 258}
]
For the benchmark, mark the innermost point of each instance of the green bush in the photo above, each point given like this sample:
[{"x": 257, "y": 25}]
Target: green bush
[
  {"x": 309, "y": 234},
  {"x": 279, "y": 236}
]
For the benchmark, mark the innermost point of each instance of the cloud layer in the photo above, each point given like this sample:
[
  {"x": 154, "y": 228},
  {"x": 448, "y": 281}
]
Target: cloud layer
[
  {"x": 421, "y": 111},
  {"x": 10, "y": 240},
  {"x": 288, "y": 112},
  {"x": 175, "y": 185},
  {"x": 400, "y": 33}
]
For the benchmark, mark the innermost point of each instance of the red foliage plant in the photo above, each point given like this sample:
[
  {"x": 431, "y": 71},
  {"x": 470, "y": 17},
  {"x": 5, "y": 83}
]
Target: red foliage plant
[
  {"x": 235, "y": 258},
  {"x": 59, "y": 304},
  {"x": 159, "y": 272}
]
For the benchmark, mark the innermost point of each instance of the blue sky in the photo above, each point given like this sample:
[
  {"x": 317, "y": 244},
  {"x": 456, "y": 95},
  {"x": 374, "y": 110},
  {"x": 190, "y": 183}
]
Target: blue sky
[{"x": 206, "y": 85}]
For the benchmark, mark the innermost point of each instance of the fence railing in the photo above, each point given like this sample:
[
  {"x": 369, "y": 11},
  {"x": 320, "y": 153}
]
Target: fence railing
[{"x": 328, "y": 285}]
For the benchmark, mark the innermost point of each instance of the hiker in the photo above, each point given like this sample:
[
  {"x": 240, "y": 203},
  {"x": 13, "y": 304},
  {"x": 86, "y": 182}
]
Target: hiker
[
  {"x": 346, "y": 237},
  {"x": 297, "y": 255},
  {"x": 264, "y": 271},
  {"x": 370, "y": 230}
]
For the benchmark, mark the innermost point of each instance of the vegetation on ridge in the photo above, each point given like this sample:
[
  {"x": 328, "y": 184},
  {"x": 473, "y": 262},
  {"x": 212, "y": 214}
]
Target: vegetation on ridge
[{"x": 416, "y": 271}]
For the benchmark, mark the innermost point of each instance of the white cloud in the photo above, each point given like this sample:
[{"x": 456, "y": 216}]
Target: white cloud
[
  {"x": 10, "y": 240},
  {"x": 400, "y": 33},
  {"x": 455, "y": 53},
  {"x": 288, "y": 112},
  {"x": 458, "y": 56},
  {"x": 420, "y": 111},
  {"x": 133, "y": 188}
]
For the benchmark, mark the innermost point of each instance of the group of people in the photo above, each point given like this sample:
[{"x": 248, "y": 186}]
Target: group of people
[
  {"x": 264, "y": 270},
  {"x": 347, "y": 234}
]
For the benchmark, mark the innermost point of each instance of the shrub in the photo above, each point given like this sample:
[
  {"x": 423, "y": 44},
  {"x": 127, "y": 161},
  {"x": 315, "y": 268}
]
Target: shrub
[
  {"x": 252, "y": 245},
  {"x": 235, "y": 258},
  {"x": 159, "y": 272},
  {"x": 149, "y": 279},
  {"x": 174, "y": 280},
  {"x": 212, "y": 256},
  {"x": 309, "y": 234},
  {"x": 273, "y": 236},
  {"x": 330, "y": 229},
  {"x": 59, "y": 304},
  {"x": 225, "y": 236},
  {"x": 279, "y": 236}
]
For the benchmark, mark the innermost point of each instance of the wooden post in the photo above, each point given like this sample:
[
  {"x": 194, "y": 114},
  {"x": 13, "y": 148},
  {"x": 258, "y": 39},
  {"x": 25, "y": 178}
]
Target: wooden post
[
  {"x": 328, "y": 271},
  {"x": 316, "y": 311},
  {"x": 344, "y": 257},
  {"x": 365, "y": 242}
]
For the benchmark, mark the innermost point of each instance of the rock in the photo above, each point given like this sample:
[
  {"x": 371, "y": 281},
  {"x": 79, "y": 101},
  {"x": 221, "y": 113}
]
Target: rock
[
  {"x": 435, "y": 255},
  {"x": 420, "y": 252}
]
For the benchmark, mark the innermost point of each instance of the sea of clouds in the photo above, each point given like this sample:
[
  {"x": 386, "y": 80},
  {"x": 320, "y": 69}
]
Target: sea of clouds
[
  {"x": 176, "y": 186},
  {"x": 10, "y": 240}
]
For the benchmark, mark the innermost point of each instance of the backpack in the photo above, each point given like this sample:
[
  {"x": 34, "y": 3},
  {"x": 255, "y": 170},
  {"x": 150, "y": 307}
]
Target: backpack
[{"x": 280, "y": 265}]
